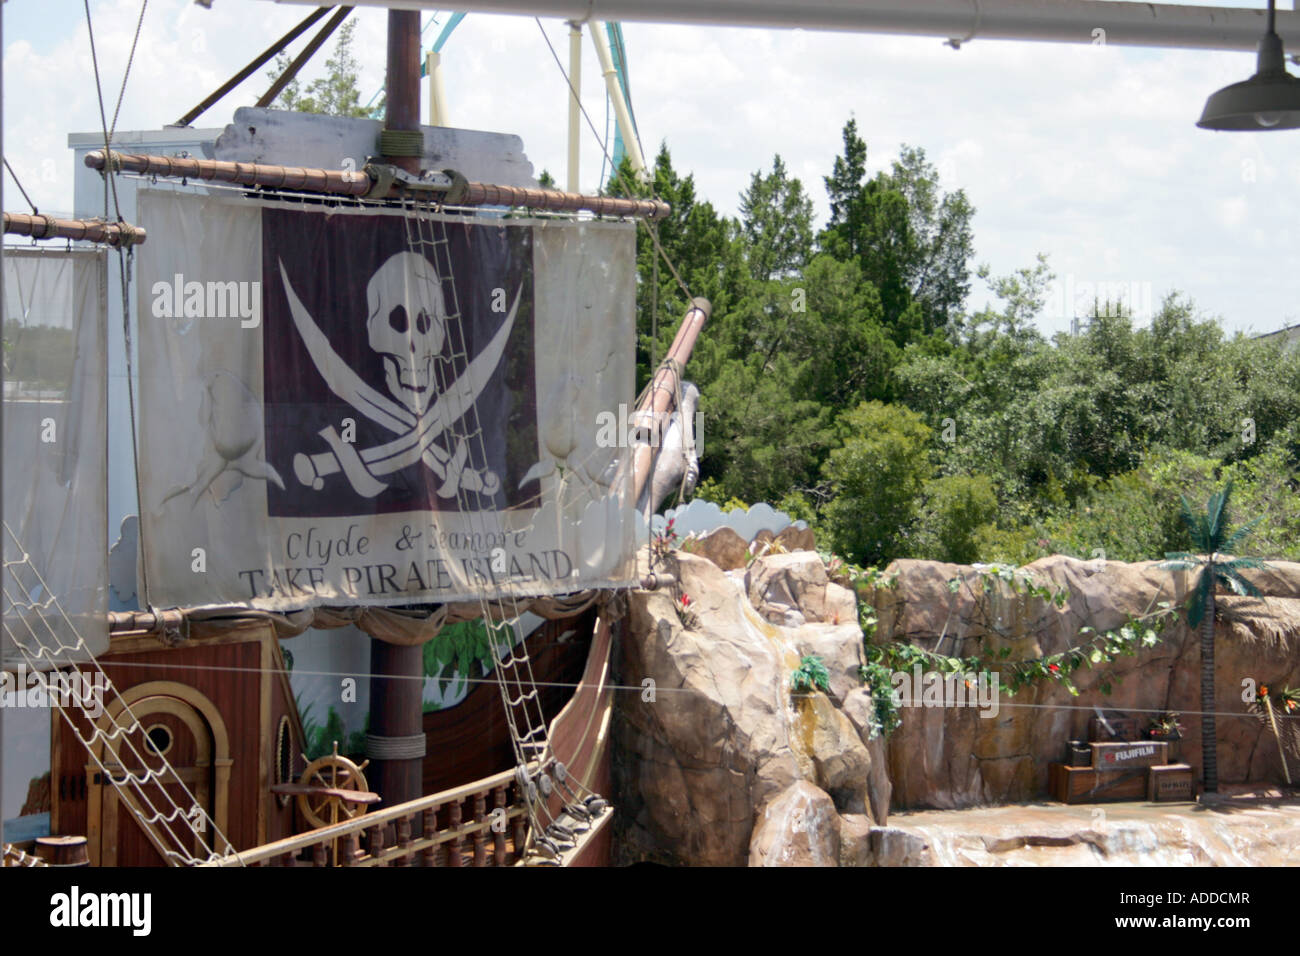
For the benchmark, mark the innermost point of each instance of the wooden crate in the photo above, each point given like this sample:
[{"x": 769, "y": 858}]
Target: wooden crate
[
  {"x": 1089, "y": 785},
  {"x": 1138, "y": 753},
  {"x": 1171, "y": 783},
  {"x": 1125, "y": 728}
]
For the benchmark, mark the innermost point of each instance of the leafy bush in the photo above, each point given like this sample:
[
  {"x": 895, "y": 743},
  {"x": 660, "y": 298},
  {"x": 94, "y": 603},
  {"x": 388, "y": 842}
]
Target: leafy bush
[
  {"x": 957, "y": 507},
  {"x": 876, "y": 476},
  {"x": 810, "y": 673}
]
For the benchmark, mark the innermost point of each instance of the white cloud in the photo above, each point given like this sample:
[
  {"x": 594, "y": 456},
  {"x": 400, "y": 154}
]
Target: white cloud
[{"x": 1087, "y": 153}]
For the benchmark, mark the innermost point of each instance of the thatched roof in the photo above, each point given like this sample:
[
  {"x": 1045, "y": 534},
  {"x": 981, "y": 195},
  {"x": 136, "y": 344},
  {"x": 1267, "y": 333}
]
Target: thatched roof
[{"x": 1273, "y": 620}]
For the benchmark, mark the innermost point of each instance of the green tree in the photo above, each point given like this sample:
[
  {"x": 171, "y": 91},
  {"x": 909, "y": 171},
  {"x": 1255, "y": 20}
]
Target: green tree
[
  {"x": 776, "y": 217},
  {"x": 337, "y": 93},
  {"x": 876, "y": 476},
  {"x": 1213, "y": 564},
  {"x": 911, "y": 241},
  {"x": 700, "y": 243}
]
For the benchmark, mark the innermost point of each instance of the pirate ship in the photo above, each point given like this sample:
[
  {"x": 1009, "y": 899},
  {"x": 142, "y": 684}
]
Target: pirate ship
[{"x": 363, "y": 400}]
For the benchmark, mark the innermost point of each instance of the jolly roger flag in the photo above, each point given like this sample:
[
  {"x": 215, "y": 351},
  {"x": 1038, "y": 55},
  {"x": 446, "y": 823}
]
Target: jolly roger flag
[
  {"x": 397, "y": 333},
  {"x": 360, "y": 406}
]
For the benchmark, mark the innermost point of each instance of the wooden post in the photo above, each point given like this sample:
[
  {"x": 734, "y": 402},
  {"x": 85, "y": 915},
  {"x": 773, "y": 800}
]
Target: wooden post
[
  {"x": 402, "y": 88},
  {"x": 397, "y": 673},
  {"x": 396, "y": 698}
]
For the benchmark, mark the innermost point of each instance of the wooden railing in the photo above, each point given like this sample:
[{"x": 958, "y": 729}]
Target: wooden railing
[
  {"x": 461, "y": 826},
  {"x": 430, "y": 831}
]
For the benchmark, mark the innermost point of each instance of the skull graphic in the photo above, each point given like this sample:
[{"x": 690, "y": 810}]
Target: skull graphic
[{"x": 407, "y": 314}]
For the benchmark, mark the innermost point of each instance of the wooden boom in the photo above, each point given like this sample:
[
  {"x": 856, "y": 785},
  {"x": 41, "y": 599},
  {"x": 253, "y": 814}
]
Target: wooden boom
[
  {"x": 93, "y": 230},
  {"x": 376, "y": 182}
]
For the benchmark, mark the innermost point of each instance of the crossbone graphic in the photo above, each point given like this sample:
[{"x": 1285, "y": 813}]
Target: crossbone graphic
[{"x": 406, "y": 323}]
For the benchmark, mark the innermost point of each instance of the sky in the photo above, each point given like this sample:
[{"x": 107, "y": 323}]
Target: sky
[{"x": 1086, "y": 153}]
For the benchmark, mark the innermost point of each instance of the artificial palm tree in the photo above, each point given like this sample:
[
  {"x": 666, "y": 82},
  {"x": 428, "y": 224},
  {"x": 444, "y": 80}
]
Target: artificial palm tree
[{"x": 1216, "y": 565}]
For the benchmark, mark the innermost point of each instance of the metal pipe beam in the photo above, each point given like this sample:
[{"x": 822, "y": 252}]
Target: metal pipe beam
[
  {"x": 575, "y": 104},
  {"x": 621, "y": 112},
  {"x": 1053, "y": 21}
]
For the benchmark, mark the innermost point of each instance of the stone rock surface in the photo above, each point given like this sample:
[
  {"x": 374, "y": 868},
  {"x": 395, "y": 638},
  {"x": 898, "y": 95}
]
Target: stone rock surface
[
  {"x": 792, "y": 588},
  {"x": 1254, "y": 833},
  {"x": 840, "y": 759},
  {"x": 952, "y": 757},
  {"x": 723, "y": 547},
  {"x": 721, "y": 763},
  {"x": 855, "y": 840},
  {"x": 761, "y": 543},
  {"x": 799, "y": 827},
  {"x": 797, "y": 539},
  {"x": 840, "y": 648},
  {"x": 859, "y": 708},
  {"x": 724, "y": 734}
]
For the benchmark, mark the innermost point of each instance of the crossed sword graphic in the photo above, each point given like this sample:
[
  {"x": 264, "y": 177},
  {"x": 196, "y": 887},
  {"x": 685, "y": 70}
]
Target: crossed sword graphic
[{"x": 416, "y": 433}]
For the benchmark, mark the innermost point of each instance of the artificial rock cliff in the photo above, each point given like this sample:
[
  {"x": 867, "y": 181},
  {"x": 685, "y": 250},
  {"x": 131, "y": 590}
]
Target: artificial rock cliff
[{"x": 719, "y": 763}]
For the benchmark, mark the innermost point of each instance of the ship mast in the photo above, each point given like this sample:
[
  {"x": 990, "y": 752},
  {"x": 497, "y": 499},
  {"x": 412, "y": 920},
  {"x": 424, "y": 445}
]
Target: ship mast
[{"x": 396, "y": 740}]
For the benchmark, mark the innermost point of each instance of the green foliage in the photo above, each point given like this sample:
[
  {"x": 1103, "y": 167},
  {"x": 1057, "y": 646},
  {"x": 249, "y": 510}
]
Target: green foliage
[
  {"x": 1085, "y": 442},
  {"x": 957, "y": 509},
  {"x": 320, "y": 738},
  {"x": 460, "y": 651},
  {"x": 1213, "y": 560},
  {"x": 876, "y": 477},
  {"x": 337, "y": 93},
  {"x": 878, "y": 678},
  {"x": 1094, "y": 650},
  {"x": 777, "y": 223},
  {"x": 810, "y": 673},
  {"x": 912, "y": 241}
]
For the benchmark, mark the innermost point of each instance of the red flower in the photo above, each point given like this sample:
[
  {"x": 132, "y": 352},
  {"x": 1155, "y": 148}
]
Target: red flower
[
  {"x": 686, "y": 599},
  {"x": 1053, "y": 667}
]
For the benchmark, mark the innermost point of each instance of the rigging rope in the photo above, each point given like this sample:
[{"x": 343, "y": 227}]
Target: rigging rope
[
  {"x": 525, "y": 716},
  {"x": 125, "y": 251},
  {"x": 650, "y": 226},
  {"x": 107, "y": 728},
  {"x": 18, "y": 183}
]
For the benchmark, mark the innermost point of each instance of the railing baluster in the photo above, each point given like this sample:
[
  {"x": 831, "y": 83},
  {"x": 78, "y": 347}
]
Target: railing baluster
[
  {"x": 499, "y": 827},
  {"x": 454, "y": 857},
  {"x": 520, "y": 834},
  {"x": 319, "y": 855},
  {"x": 351, "y": 848},
  {"x": 377, "y": 844},
  {"x": 480, "y": 836},
  {"x": 404, "y": 841},
  {"x": 430, "y": 827}
]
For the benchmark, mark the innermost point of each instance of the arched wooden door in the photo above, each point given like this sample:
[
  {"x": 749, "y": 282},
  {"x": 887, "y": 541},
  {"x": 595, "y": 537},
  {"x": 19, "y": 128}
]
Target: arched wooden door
[{"x": 179, "y": 731}]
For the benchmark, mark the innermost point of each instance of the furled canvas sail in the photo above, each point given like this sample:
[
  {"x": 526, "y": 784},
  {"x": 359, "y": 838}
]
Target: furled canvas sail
[
  {"x": 363, "y": 406},
  {"x": 55, "y": 406}
]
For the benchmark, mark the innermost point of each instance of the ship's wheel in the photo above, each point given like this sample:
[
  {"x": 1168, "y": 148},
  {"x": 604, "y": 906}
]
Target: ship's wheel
[{"x": 333, "y": 788}]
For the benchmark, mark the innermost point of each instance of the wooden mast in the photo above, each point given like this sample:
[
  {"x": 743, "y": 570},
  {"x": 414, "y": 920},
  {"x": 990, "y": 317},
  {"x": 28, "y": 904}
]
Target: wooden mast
[{"x": 396, "y": 736}]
